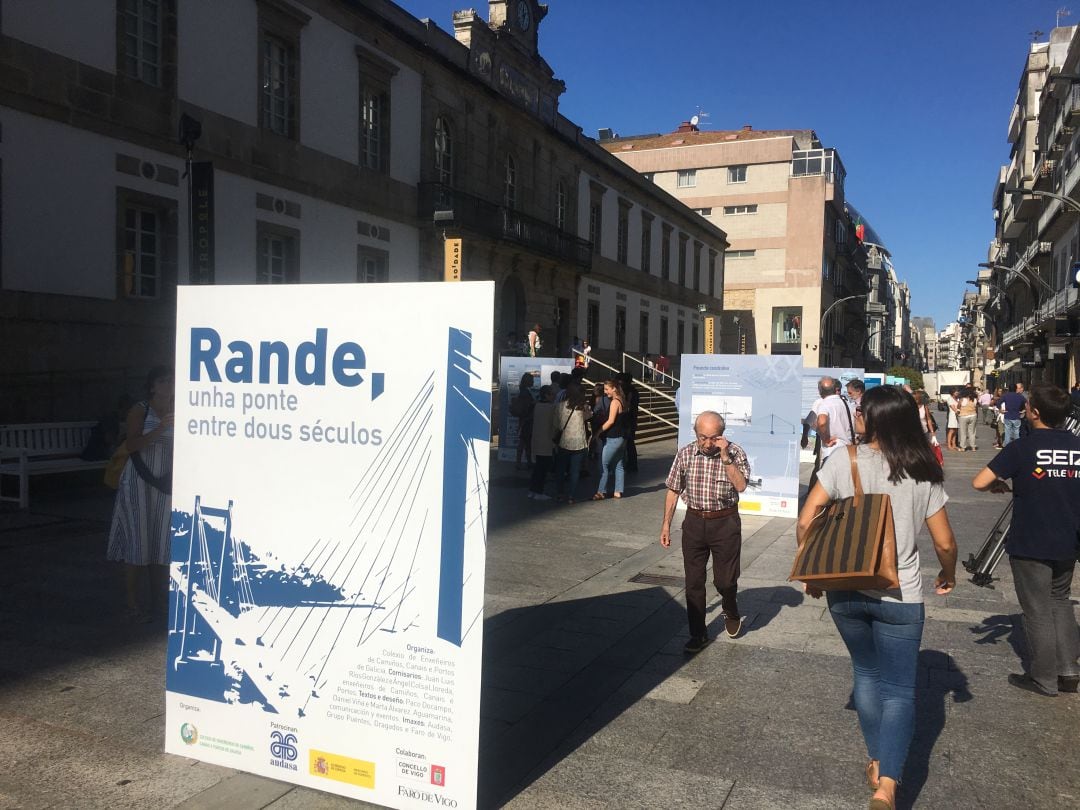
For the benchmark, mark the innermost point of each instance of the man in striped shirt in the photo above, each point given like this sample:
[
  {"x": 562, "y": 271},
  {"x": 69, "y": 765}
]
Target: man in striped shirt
[{"x": 708, "y": 475}]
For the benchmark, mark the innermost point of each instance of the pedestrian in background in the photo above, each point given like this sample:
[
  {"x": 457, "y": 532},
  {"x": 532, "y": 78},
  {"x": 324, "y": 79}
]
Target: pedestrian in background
[
  {"x": 952, "y": 424},
  {"x": 569, "y": 424},
  {"x": 522, "y": 409},
  {"x": 708, "y": 475},
  {"x": 141, "y": 528},
  {"x": 1014, "y": 404},
  {"x": 542, "y": 445},
  {"x": 882, "y": 629},
  {"x": 967, "y": 414},
  {"x": 533, "y": 343},
  {"x": 613, "y": 432},
  {"x": 1042, "y": 538}
]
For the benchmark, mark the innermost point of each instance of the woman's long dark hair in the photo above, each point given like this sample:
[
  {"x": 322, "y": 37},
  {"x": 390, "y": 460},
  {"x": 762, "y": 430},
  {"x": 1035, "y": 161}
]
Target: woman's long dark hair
[{"x": 891, "y": 419}]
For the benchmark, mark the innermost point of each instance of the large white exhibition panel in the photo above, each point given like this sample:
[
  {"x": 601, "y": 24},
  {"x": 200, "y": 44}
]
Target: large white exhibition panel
[
  {"x": 758, "y": 396},
  {"x": 329, "y": 529}
]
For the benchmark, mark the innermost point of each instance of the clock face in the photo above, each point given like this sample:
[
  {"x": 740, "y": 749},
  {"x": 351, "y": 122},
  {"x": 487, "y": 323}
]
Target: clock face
[{"x": 524, "y": 16}]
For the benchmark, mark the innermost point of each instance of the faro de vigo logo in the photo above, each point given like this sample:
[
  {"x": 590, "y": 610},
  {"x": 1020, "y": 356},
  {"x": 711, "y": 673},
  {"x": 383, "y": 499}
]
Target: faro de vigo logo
[
  {"x": 283, "y": 749},
  {"x": 189, "y": 734}
]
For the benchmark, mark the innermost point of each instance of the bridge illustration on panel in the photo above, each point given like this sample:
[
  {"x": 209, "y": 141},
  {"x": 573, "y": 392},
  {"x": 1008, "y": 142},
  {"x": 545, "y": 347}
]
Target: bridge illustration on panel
[{"x": 247, "y": 626}]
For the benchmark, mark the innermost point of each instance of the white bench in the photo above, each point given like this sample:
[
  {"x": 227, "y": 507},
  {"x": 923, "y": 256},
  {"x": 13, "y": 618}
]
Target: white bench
[{"x": 41, "y": 449}]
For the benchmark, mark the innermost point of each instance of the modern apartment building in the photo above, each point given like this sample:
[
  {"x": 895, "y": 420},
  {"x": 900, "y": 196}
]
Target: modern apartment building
[
  {"x": 794, "y": 256},
  {"x": 1032, "y": 308},
  {"x": 332, "y": 141}
]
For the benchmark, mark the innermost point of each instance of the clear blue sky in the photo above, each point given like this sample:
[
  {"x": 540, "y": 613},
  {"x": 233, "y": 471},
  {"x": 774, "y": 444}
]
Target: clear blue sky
[{"x": 915, "y": 95}]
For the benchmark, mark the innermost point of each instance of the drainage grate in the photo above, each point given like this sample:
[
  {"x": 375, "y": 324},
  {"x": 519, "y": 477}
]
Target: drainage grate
[{"x": 657, "y": 579}]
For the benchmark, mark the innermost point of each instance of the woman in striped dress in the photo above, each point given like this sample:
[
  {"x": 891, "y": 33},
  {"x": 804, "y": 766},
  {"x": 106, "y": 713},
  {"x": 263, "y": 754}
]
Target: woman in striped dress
[{"x": 142, "y": 517}]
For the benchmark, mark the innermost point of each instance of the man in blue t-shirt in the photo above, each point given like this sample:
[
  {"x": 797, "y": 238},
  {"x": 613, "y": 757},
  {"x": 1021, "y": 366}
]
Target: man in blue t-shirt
[
  {"x": 1013, "y": 403},
  {"x": 1043, "y": 537}
]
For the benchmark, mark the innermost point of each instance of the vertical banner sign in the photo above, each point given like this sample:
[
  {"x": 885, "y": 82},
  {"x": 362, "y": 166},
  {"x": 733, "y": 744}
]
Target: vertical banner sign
[
  {"x": 329, "y": 523},
  {"x": 710, "y": 324},
  {"x": 202, "y": 223},
  {"x": 758, "y": 396},
  {"x": 452, "y": 259}
]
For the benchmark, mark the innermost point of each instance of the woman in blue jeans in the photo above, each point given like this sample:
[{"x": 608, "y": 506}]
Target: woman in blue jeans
[
  {"x": 882, "y": 629},
  {"x": 613, "y": 433}
]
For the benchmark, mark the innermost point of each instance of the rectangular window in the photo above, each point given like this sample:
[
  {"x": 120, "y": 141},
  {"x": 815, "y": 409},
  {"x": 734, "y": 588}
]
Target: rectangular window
[
  {"x": 736, "y": 174},
  {"x": 376, "y": 75},
  {"x": 595, "y": 224},
  {"x": 141, "y": 40},
  {"x": 643, "y": 332},
  {"x": 372, "y": 265},
  {"x": 695, "y": 347},
  {"x": 620, "y": 329},
  {"x": 561, "y": 205},
  {"x": 739, "y": 210},
  {"x": 705, "y": 212},
  {"x": 624, "y": 234},
  {"x": 665, "y": 254},
  {"x": 592, "y": 323},
  {"x": 697, "y": 266},
  {"x": 686, "y": 178},
  {"x": 646, "y": 242},
  {"x": 279, "y": 86},
  {"x": 142, "y": 252},
  {"x": 680, "y": 337},
  {"x": 663, "y": 335},
  {"x": 841, "y": 232},
  {"x": 145, "y": 244},
  {"x": 371, "y": 118},
  {"x": 740, "y": 254},
  {"x": 276, "y": 255},
  {"x": 712, "y": 273},
  {"x": 683, "y": 239}
]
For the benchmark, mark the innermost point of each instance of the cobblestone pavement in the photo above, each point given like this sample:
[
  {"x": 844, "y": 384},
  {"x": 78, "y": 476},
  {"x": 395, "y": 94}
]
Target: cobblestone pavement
[{"x": 588, "y": 701}]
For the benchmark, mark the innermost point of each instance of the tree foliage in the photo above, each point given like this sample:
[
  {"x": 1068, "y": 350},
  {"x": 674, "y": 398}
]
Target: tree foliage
[{"x": 913, "y": 377}]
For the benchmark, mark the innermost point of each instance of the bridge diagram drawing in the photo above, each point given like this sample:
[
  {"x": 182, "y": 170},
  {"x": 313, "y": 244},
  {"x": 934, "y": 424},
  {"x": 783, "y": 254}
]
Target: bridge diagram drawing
[{"x": 248, "y": 627}]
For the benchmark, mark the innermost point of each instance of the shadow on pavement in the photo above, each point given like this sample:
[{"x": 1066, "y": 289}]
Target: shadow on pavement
[
  {"x": 1010, "y": 628},
  {"x": 556, "y": 673},
  {"x": 944, "y": 682}
]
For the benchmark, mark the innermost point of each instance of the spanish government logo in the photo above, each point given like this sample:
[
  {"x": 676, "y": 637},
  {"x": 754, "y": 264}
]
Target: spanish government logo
[{"x": 189, "y": 734}]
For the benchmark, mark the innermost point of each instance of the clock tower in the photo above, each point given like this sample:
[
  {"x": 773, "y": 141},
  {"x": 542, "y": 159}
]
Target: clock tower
[{"x": 519, "y": 18}]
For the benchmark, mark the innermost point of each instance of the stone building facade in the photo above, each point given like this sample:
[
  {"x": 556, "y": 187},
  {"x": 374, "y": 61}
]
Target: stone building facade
[
  {"x": 347, "y": 141},
  {"x": 779, "y": 195}
]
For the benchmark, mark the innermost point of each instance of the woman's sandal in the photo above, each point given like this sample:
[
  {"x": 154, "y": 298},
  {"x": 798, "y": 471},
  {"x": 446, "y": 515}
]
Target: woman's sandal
[{"x": 599, "y": 496}]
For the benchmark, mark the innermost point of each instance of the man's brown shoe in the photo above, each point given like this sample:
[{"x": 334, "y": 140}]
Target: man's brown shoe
[{"x": 733, "y": 625}]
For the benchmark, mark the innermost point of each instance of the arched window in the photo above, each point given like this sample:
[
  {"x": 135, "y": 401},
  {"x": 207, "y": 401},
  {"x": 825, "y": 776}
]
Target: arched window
[
  {"x": 444, "y": 152},
  {"x": 510, "y": 184}
]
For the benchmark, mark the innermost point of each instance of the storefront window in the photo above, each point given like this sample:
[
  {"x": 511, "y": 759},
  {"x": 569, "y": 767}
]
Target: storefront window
[{"x": 786, "y": 330}]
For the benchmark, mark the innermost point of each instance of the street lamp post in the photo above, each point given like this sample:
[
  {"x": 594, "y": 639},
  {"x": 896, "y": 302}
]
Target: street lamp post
[
  {"x": 1006, "y": 269},
  {"x": 1073, "y": 204},
  {"x": 825, "y": 314}
]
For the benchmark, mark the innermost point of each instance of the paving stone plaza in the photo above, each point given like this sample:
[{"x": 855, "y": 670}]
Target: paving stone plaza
[{"x": 588, "y": 700}]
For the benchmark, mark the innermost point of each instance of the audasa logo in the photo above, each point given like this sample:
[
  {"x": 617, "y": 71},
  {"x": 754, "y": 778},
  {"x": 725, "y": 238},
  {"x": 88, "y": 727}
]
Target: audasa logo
[
  {"x": 189, "y": 734},
  {"x": 283, "y": 749}
]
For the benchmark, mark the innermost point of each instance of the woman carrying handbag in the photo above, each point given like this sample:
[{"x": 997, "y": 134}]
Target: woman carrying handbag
[{"x": 882, "y": 629}]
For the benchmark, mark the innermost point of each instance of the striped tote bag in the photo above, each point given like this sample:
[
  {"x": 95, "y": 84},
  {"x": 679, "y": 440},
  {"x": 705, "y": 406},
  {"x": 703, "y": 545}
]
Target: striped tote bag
[{"x": 851, "y": 545}]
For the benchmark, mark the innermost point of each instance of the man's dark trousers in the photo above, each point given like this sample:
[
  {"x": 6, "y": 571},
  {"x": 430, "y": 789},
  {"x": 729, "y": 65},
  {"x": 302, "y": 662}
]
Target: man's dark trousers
[
  {"x": 1042, "y": 587},
  {"x": 720, "y": 538}
]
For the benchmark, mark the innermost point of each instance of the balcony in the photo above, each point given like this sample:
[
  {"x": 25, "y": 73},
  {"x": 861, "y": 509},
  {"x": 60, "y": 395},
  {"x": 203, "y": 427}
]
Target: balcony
[{"x": 448, "y": 207}]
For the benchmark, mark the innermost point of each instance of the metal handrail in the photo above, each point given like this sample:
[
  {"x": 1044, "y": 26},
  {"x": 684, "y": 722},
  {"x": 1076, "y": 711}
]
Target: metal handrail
[
  {"x": 667, "y": 375},
  {"x": 653, "y": 414}
]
